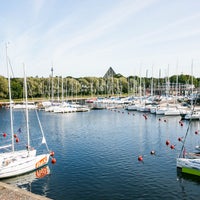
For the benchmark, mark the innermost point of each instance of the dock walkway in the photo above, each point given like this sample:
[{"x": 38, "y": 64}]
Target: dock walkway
[{"x": 10, "y": 192}]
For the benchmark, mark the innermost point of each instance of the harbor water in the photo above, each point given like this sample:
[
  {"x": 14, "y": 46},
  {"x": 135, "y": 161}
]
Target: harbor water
[{"x": 97, "y": 155}]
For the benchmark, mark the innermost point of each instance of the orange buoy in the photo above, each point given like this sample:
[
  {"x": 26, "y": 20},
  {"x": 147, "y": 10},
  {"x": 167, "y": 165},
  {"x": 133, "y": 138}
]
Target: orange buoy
[
  {"x": 53, "y": 161},
  {"x": 140, "y": 158},
  {"x": 181, "y": 124},
  {"x": 167, "y": 142},
  {"x": 179, "y": 139},
  {"x": 172, "y": 146},
  {"x": 52, "y": 153}
]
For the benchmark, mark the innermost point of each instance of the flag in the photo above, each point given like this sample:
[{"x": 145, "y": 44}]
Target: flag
[{"x": 43, "y": 140}]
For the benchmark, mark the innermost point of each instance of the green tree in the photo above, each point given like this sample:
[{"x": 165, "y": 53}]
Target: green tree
[
  {"x": 17, "y": 88},
  {"x": 3, "y": 87}
]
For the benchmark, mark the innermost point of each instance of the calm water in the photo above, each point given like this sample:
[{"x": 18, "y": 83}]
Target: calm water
[{"x": 97, "y": 156}]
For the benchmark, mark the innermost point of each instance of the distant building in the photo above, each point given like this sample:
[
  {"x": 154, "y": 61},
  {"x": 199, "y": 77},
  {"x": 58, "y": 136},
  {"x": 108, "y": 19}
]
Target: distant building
[{"x": 110, "y": 73}]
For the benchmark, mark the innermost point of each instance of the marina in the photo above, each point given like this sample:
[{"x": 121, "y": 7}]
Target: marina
[
  {"x": 109, "y": 106},
  {"x": 99, "y": 155}
]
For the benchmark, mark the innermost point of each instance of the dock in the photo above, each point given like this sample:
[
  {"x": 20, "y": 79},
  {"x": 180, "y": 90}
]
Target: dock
[{"x": 10, "y": 192}]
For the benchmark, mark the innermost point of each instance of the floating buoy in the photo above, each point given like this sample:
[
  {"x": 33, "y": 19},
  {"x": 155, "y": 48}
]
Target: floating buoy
[
  {"x": 152, "y": 152},
  {"x": 180, "y": 139},
  {"x": 17, "y": 140},
  {"x": 181, "y": 123},
  {"x": 167, "y": 142},
  {"x": 15, "y": 135},
  {"x": 4, "y": 134},
  {"x": 53, "y": 161},
  {"x": 52, "y": 153},
  {"x": 196, "y": 132},
  {"x": 165, "y": 120},
  {"x": 140, "y": 158},
  {"x": 159, "y": 119},
  {"x": 172, "y": 146}
]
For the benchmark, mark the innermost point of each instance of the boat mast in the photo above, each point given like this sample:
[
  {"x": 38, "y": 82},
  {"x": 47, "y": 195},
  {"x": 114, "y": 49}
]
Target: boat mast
[
  {"x": 10, "y": 100},
  {"x": 52, "y": 85},
  {"x": 152, "y": 83},
  {"x": 27, "y": 117},
  {"x": 192, "y": 82},
  {"x": 62, "y": 91}
]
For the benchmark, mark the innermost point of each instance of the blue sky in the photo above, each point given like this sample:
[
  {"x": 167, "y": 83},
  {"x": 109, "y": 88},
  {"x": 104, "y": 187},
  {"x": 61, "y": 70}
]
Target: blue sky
[{"x": 85, "y": 37}]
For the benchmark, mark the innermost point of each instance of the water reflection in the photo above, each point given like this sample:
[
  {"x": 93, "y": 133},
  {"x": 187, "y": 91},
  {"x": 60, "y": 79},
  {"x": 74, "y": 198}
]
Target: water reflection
[
  {"x": 187, "y": 177},
  {"x": 25, "y": 181},
  {"x": 97, "y": 157}
]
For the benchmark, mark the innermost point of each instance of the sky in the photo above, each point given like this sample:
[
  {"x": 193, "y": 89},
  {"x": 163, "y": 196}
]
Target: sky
[{"x": 82, "y": 38}]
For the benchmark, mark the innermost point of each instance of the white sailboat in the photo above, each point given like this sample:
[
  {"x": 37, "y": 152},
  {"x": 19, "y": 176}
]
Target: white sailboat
[
  {"x": 188, "y": 162},
  {"x": 19, "y": 162},
  {"x": 195, "y": 115}
]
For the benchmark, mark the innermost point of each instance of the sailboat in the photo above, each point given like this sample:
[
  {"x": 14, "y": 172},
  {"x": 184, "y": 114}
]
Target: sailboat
[
  {"x": 189, "y": 165},
  {"x": 18, "y": 162},
  {"x": 188, "y": 162}
]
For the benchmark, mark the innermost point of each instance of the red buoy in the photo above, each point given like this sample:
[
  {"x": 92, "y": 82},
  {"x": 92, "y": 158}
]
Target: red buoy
[
  {"x": 159, "y": 119},
  {"x": 167, "y": 142},
  {"x": 52, "y": 153},
  {"x": 15, "y": 135},
  {"x": 179, "y": 139},
  {"x": 4, "y": 134},
  {"x": 196, "y": 132},
  {"x": 140, "y": 158},
  {"x": 181, "y": 124},
  {"x": 53, "y": 161},
  {"x": 172, "y": 146},
  {"x": 17, "y": 140}
]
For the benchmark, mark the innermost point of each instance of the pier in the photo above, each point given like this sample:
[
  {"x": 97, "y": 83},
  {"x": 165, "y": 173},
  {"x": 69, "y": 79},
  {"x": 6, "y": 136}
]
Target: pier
[{"x": 10, "y": 192}]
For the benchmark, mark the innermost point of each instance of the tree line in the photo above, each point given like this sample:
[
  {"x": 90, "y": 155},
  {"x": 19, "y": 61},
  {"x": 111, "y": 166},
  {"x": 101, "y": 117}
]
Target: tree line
[{"x": 59, "y": 87}]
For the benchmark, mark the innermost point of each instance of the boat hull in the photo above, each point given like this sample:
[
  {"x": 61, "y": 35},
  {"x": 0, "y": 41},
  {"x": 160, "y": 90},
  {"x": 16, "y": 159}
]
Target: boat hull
[
  {"x": 23, "y": 165},
  {"x": 189, "y": 166}
]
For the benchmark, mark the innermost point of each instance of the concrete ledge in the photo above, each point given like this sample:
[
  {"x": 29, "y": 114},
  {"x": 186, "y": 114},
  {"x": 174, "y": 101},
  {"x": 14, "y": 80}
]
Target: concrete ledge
[{"x": 10, "y": 192}]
